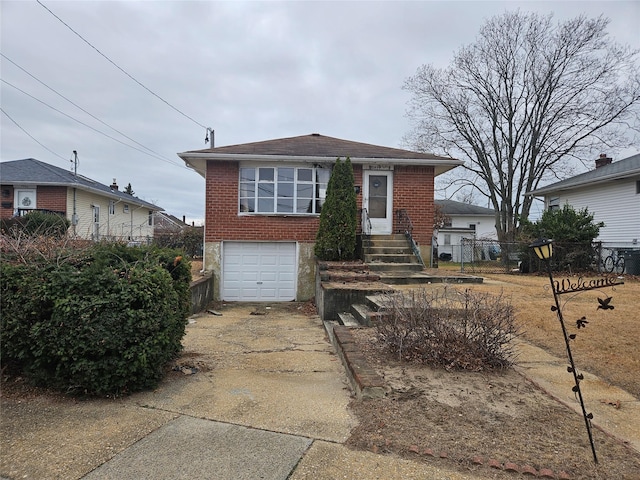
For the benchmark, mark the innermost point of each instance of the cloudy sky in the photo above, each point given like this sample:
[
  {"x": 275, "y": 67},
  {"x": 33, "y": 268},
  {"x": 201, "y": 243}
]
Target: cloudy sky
[{"x": 130, "y": 84}]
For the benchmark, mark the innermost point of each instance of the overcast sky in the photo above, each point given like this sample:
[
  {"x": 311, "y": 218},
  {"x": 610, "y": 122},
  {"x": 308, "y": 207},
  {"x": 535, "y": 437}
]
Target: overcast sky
[{"x": 252, "y": 71}]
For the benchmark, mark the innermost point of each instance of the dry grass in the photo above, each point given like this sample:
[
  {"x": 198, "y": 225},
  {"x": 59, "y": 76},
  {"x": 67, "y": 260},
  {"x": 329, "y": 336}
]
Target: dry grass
[{"x": 607, "y": 347}]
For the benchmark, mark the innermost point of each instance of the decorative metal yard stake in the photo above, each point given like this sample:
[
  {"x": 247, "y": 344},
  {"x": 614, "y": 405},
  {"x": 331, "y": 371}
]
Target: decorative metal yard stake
[{"x": 543, "y": 249}]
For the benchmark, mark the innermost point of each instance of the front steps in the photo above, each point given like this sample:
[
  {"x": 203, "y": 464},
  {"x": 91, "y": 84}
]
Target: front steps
[
  {"x": 363, "y": 314},
  {"x": 389, "y": 254}
]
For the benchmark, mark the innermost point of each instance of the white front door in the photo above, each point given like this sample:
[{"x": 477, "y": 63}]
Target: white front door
[{"x": 378, "y": 200}]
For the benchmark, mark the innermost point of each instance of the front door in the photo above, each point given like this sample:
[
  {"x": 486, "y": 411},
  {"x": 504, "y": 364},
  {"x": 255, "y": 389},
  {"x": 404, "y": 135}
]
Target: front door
[{"x": 377, "y": 200}]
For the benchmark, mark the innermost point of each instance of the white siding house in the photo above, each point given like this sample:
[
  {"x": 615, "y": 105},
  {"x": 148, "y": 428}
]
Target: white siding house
[
  {"x": 611, "y": 192},
  {"x": 465, "y": 222},
  {"x": 96, "y": 211}
]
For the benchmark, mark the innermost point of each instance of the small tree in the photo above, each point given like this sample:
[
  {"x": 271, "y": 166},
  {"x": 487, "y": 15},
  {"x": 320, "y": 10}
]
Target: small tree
[
  {"x": 129, "y": 190},
  {"x": 572, "y": 231},
  {"x": 336, "y": 237},
  {"x": 440, "y": 218}
]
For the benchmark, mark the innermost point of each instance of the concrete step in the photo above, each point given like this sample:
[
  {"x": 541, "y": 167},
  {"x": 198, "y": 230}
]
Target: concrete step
[
  {"x": 390, "y": 258},
  {"x": 395, "y": 267},
  {"x": 360, "y": 313},
  {"x": 420, "y": 277},
  {"x": 385, "y": 243},
  {"x": 348, "y": 320},
  {"x": 390, "y": 236},
  {"x": 404, "y": 250}
]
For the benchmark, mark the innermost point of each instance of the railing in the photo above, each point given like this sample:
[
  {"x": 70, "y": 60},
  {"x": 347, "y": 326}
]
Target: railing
[
  {"x": 406, "y": 226},
  {"x": 21, "y": 212}
]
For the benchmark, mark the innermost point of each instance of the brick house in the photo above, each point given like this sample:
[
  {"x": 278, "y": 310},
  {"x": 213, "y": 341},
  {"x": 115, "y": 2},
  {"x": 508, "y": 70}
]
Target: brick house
[
  {"x": 96, "y": 211},
  {"x": 263, "y": 202}
]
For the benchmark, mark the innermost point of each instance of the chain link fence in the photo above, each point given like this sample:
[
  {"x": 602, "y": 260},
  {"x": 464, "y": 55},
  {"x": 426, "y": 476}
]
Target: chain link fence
[{"x": 476, "y": 256}]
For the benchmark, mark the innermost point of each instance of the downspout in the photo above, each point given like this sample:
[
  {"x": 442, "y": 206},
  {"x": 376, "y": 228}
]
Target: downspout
[{"x": 74, "y": 217}]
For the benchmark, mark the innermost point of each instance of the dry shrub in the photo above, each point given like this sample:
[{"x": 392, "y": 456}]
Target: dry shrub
[{"x": 449, "y": 328}]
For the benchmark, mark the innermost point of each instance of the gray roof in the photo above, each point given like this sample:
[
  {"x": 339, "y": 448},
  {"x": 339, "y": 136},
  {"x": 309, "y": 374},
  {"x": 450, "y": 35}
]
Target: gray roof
[
  {"x": 625, "y": 168},
  {"x": 315, "y": 148},
  {"x": 30, "y": 171},
  {"x": 451, "y": 207}
]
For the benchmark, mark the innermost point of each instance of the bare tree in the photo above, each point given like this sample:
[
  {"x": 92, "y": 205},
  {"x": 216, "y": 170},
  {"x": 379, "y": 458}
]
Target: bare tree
[{"x": 523, "y": 102}]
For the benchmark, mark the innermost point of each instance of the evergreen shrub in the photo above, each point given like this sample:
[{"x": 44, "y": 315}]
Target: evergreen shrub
[
  {"x": 336, "y": 237},
  {"x": 103, "y": 322}
]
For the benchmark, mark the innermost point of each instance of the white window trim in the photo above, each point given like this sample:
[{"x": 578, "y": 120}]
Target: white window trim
[{"x": 316, "y": 186}]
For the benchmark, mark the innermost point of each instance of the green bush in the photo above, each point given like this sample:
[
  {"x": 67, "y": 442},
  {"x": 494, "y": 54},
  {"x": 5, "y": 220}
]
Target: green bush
[
  {"x": 188, "y": 240},
  {"x": 336, "y": 237},
  {"x": 573, "y": 232},
  {"x": 103, "y": 323}
]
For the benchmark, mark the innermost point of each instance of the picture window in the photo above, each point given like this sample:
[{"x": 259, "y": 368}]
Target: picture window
[{"x": 282, "y": 190}]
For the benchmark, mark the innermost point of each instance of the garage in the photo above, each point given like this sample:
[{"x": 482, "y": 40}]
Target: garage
[{"x": 258, "y": 271}]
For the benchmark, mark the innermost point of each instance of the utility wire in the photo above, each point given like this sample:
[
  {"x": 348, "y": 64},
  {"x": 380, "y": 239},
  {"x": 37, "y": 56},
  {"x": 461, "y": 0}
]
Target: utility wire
[
  {"x": 31, "y": 136},
  {"x": 89, "y": 126},
  {"x": 78, "y": 106},
  {"x": 118, "y": 66}
]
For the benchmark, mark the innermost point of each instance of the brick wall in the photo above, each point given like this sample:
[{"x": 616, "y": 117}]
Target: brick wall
[
  {"x": 222, "y": 221},
  {"x": 413, "y": 191},
  {"x": 6, "y": 198},
  {"x": 52, "y": 198}
]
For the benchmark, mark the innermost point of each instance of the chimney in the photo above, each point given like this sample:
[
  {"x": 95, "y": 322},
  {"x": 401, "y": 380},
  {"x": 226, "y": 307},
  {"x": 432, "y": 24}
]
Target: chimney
[
  {"x": 603, "y": 160},
  {"x": 114, "y": 185},
  {"x": 184, "y": 219}
]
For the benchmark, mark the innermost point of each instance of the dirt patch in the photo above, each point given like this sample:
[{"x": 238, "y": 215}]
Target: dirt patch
[{"x": 467, "y": 419}]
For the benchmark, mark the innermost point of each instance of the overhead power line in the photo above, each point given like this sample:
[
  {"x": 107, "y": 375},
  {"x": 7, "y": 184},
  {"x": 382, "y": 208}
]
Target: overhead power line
[
  {"x": 31, "y": 136},
  {"x": 90, "y": 127},
  {"x": 78, "y": 106},
  {"x": 119, "y": 67}
]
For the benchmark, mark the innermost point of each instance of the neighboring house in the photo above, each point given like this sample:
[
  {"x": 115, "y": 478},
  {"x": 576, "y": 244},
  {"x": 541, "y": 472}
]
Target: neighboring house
[
  {"x": 96, "y": 211},
  {"x": 166, "y": 224},
  {"x": 465, "y": 221},
  {"x": 611, "y": 192},
  {"x": 263, "y": 202}
]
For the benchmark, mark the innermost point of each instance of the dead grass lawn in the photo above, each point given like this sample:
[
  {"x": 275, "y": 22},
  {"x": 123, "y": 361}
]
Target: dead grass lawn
[{"x": 607, "y": 347}]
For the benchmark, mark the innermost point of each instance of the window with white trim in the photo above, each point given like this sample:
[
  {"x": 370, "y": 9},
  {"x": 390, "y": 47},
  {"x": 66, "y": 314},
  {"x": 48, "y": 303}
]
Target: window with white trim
[
  {"x": 554, "y": 204},
  {"x": 283, "y": 190},
  {"x": 112, "y": 207}
]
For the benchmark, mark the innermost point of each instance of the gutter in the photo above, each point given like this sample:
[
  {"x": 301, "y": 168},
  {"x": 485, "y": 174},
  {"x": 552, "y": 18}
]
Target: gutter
[{"x": 197, "y": 161}]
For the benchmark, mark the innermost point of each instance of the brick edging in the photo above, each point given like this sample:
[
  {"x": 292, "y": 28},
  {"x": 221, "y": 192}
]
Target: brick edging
[{"x": 365, "y": 382}]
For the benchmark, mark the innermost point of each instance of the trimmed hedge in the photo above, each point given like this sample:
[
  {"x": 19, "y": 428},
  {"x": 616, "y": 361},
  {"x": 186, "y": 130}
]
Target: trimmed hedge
[{"x": 103, "y": 322}]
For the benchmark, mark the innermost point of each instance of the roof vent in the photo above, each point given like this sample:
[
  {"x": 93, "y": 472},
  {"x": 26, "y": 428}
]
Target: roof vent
[{"x": 603, "y": 160}]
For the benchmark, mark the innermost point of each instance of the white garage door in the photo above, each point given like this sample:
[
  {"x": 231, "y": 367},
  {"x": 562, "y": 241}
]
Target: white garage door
[{"x": 257, "y": 271}]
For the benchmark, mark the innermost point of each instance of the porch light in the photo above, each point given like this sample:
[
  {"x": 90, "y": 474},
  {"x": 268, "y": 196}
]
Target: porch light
[{"x": 543, "y": 248}]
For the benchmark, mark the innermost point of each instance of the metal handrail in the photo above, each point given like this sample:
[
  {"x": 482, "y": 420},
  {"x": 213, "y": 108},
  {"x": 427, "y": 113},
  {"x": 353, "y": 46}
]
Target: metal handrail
[{"x": 406, "y": 226}]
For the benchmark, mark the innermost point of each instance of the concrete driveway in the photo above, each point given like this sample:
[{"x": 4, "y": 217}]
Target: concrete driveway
[{"x": 259, "y": 393}]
